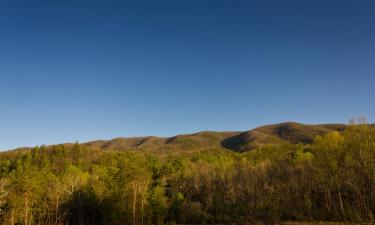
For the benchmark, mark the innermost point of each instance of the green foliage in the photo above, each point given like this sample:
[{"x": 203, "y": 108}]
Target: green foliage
[
  {"x": 157, "y": 201},
  {"x": 332, "y": 178},
  {"x": 175, "y": 209}
]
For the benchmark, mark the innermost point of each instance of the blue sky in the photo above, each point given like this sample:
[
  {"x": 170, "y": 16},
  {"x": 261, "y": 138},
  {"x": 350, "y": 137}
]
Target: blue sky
[{"x": 84, "y": 70}]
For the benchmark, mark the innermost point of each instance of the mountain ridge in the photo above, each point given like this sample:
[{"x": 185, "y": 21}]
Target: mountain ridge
[{"x": 238, "y": 141}]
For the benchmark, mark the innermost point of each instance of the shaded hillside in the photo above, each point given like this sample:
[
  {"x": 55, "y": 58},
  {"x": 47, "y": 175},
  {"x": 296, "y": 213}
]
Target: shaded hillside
[
  {"x": 249, "y": 140},
  {"x": 279, "y": 134},
  {"x": 298, "y": 133}
]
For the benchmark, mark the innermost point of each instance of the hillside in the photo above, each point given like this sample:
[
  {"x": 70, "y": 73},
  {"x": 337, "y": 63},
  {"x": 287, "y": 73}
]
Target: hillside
[
  {"x": 196, "y": 178},
  {"x": 274, "y": 134}
]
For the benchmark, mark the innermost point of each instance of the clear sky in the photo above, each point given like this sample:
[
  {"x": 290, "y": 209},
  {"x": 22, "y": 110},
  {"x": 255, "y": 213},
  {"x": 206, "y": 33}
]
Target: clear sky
[{"x": 78, "y": 70}]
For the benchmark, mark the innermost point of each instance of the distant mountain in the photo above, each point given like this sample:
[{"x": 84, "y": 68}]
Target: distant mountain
[{"x": 275, "y": 134}]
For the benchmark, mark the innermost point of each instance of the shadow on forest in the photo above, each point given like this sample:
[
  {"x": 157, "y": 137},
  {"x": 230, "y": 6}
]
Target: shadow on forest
[{"x": 84, "y": 208}]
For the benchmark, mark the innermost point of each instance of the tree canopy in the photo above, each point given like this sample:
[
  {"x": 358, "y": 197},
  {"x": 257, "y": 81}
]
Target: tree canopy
[{"x": 332, "y": 178}]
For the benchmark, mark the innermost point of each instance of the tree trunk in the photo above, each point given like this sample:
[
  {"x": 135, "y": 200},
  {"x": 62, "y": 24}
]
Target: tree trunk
[
  {"x": 341, "y": 203},
  {"x": 57, "y": 206},
  {"x": 26, "y": 219},
  {"x": 134, "y": 203},
  {"x": 12, "y": 216},
  {"x": 142, "y": 214}
]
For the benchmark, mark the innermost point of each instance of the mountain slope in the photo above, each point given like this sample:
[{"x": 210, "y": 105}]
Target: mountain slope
[{"x": 275, "y": 134}]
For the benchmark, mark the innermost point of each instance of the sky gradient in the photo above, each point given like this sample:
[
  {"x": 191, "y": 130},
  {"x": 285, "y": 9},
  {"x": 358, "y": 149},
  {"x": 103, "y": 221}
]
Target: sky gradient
[{"x": 78, "y": 70}]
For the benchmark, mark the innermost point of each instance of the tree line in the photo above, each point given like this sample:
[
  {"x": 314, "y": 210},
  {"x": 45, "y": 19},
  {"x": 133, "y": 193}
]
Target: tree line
[{"x": 332, "y": 179}]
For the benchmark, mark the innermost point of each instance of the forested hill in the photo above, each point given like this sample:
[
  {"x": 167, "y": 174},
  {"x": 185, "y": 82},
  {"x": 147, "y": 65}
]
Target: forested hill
[
  {"x": 270, "y": 174},
  {"x": 275, "y": 134}
]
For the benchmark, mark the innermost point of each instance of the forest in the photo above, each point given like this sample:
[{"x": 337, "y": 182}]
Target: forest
[{"x": 330, "y": 179}]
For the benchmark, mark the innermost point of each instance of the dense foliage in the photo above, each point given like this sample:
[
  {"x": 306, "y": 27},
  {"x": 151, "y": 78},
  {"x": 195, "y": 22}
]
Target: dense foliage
[{"x": 331, "y": 179}]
